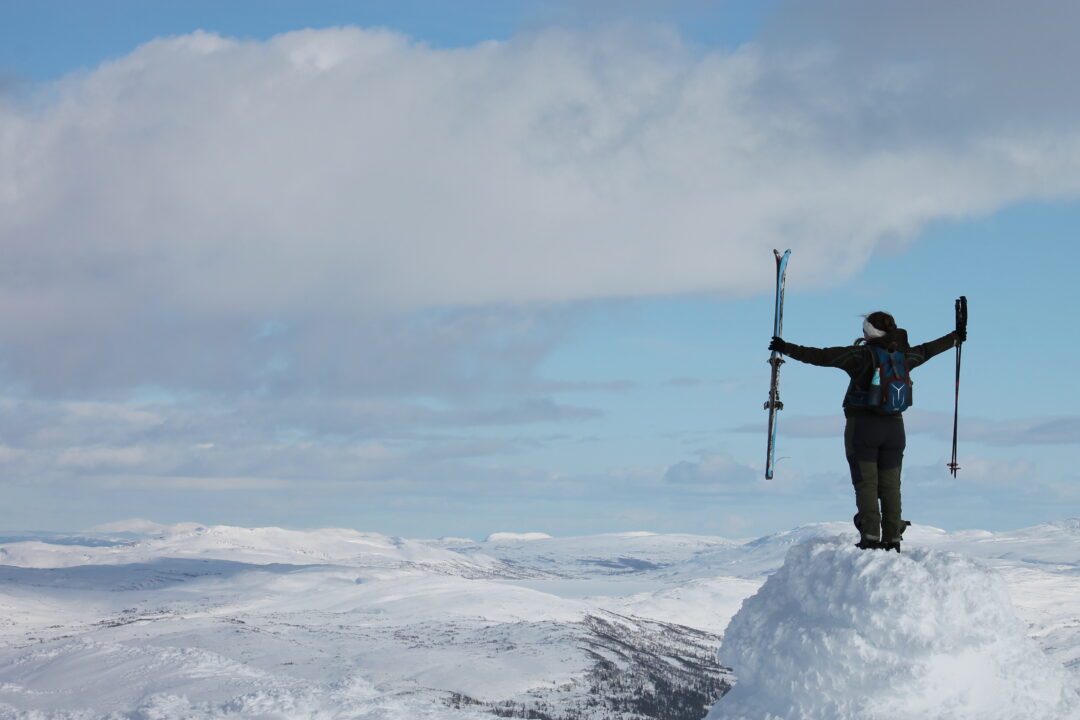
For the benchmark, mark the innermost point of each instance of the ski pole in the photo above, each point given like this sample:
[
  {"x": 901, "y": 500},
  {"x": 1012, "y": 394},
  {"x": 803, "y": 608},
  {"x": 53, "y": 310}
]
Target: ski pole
[{"x": 961, "y": 334}]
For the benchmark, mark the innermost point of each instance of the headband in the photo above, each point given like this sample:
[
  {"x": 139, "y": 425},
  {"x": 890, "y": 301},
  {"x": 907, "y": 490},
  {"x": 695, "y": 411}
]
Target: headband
[{"x": 871, "y": 332}]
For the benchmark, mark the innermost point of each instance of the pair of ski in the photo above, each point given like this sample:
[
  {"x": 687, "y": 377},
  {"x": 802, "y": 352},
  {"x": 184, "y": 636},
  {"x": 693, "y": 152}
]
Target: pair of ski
[{"x": 773, "y": 404}]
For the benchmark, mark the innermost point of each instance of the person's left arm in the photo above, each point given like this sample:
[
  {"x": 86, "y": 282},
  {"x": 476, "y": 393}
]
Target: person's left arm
[{"x": 921, "y": 353}]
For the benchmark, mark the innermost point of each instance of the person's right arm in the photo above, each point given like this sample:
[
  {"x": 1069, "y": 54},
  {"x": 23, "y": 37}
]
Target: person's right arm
[{"x": 846, "y": 357}]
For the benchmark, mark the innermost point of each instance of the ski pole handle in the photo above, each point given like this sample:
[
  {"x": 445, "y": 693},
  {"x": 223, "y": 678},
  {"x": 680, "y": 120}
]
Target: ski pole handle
[{"x": 961, "y": 318}]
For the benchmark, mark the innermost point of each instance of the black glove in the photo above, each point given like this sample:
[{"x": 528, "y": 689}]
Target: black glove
[
  {"x": 961, "y": 318},
  {"x": 778, "y": 344}
]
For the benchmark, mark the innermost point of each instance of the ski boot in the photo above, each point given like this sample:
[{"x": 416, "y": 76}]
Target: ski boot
[
  {"x": 866, "y": 542},
  {"x": 869, "y": 543},
  {"x": 894, "y": 544}
]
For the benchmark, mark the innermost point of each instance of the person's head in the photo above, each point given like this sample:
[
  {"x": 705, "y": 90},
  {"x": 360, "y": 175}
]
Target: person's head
[{"x": 878, "y": 325}]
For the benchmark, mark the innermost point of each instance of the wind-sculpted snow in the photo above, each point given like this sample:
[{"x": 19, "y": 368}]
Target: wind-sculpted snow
[{"x": 843, "y": 634}]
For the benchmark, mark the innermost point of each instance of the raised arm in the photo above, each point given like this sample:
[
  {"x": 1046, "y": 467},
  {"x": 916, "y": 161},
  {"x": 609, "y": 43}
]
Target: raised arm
[
  {"x": 846, "y": 357},
  {"x": 921, "y": 353}
]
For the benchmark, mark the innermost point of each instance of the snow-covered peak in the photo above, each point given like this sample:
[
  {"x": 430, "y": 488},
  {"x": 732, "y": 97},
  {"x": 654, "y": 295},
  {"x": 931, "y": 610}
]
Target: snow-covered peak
[
  {"x": 516, "y": 537},
  {"x": 847, "y": 634}
]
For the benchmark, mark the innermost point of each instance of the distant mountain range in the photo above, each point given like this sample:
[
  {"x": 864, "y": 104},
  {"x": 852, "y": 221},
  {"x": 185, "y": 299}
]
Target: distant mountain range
[{"x": 143, "y": 620}]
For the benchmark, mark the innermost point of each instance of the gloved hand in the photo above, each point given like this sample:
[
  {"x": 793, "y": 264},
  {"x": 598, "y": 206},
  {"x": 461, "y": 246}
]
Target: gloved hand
[
  {"x": 778, "y": 344},
  {"x": 961, "y": 319}
]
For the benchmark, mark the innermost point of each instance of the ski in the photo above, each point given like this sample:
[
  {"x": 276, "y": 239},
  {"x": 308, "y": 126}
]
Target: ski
[{"x": 776, "y": 360}]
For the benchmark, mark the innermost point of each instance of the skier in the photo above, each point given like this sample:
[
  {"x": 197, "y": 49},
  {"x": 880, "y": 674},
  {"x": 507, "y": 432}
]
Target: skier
[{"x": 874, "y": 439}]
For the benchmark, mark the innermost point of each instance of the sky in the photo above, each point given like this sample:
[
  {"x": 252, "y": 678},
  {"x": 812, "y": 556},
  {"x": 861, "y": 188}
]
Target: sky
[{"x": 433, "y": 269}]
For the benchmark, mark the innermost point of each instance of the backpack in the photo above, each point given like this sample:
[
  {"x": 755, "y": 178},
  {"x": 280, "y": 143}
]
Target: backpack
[{"x": 890, "y": 389}]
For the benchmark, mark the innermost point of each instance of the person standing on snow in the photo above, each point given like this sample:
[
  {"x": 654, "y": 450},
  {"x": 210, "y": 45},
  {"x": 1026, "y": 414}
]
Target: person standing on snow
[{"x": 874, "y": 439}]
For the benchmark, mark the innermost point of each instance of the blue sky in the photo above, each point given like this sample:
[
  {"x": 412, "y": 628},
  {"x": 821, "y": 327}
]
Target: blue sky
[{"x": 392, "y": 267}]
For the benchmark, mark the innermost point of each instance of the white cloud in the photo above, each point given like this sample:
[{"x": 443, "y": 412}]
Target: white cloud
[
  {"x": 9, "y": 454},
  {"x": 184, "y": 195},
  {"x": 119, "y": 414},
  {"x": 806, "y": 426},
  {"x": 1041, "y": 430},
  {"x": 720, "y": 471},
  {"x": 1008, "y": 473},
  {"x": 268, "y": 443},
  {"x": 102, "y": 457},
  {"x": 375, "y": 452},
  {"x": 733, "y": 525},
  {"x": 202, "y": 483},
  {"x": 1015, "y": 474},
  {"x": 1068, "y": 491}
]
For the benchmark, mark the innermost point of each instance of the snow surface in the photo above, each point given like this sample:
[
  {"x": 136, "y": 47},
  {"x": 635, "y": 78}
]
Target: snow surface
[
  {"x": 845, "y": 634},
  {"x": 144, "y": 621}
]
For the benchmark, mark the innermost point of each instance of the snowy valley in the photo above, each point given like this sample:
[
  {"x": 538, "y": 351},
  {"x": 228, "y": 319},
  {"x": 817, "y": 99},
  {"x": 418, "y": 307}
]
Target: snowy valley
[{"x": 144, "y": 621}]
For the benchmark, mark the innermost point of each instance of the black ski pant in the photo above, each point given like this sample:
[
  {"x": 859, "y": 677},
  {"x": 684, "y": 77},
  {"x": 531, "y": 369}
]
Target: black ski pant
[{"x": 874, "y": 445}]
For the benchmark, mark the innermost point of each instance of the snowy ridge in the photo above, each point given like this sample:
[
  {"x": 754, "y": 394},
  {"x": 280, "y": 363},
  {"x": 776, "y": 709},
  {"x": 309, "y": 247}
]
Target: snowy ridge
[
  {"x": 851, "y": 635},
  {"x": 261, "y": 546},
  {"x": 516, "y": 537},
  {"x": 614, "y": 554}
]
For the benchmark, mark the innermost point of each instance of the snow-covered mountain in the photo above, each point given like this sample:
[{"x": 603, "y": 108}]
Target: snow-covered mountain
[{"x": 139, "y": 620}]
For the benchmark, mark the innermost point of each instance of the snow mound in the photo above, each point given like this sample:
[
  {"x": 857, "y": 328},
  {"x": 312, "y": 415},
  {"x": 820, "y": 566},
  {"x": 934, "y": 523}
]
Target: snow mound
[{"x": 839, "y": 633}]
